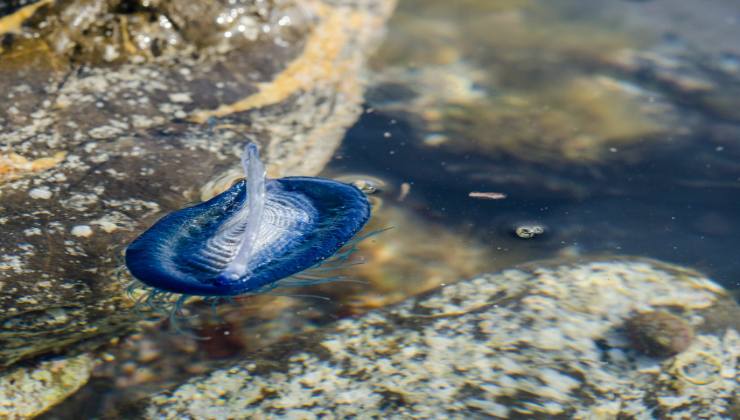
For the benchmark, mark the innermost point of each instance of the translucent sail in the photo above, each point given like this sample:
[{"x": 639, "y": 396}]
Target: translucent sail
[{"x": 250, "y": 215}]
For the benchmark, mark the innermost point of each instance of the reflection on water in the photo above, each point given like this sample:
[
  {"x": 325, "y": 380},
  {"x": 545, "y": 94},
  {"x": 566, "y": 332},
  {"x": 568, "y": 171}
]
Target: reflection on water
[{"x": 603, "y": 126}]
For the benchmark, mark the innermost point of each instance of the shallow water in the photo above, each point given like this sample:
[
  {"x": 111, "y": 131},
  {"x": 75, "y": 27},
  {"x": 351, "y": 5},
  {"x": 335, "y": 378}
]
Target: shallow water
[
  {"x": 609, "y": 126},
  {"x": 639, "y": 209},
  {"x": 645, "y": 163}
]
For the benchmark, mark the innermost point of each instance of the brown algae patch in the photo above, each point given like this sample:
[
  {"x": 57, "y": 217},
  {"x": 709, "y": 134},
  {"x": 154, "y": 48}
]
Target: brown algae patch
[{"x": 544, "y": 340}]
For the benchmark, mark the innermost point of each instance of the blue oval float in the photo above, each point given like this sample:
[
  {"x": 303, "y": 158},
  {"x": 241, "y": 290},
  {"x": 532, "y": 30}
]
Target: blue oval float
[{"x": 250, "y": 237}]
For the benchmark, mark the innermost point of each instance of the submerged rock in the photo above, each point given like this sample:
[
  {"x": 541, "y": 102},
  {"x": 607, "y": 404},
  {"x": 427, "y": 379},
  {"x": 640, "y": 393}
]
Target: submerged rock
[
  {"x": 542, "y": 340},
  {"x": 28, "y": 392},
  {"x": 708, "y": 82},
  {"x": 659, "y": 333},
  {"x": 538, "y": 91},
  {"x": 118, "y": 112},
  {"x": 580, "y": 120},
  {"x": 550, "y": 96}
]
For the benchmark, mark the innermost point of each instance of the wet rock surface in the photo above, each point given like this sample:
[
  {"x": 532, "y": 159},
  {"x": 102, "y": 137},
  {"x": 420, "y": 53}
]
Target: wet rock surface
[
  {"x": 27, "y": 392},
  {"x": 543, "y": 340},
  {"x": 117, "y": 112}
]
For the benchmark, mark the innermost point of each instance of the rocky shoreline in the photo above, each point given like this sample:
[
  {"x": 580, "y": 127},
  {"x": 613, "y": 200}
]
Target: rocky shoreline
[{"x": 546, "y": 339}]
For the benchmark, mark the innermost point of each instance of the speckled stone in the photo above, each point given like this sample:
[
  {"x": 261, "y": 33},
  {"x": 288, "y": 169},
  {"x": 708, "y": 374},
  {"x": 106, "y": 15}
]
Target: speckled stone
[
  {"x": 28, "y": 392},
  {"x": 102, "y": 132},
  {"x": 543, "y": 340}
]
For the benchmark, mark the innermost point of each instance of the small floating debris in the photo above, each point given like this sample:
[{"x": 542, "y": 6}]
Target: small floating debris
[
  {"x": 405, "y": 190},
  {"x": 487, "y": 195},
  {"x": 529, "y": 231}
]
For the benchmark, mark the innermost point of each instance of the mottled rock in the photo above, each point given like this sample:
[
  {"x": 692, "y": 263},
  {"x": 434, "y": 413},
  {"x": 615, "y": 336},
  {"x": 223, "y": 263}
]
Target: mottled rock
[
  {"x": 543, "y": 340},
  {"x": 117, "y": 112},
  {"x": 28, "y": 392}
]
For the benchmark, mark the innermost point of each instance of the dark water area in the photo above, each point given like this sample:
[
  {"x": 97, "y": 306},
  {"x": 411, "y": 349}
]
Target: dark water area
[{"x": 655, "y": 208}]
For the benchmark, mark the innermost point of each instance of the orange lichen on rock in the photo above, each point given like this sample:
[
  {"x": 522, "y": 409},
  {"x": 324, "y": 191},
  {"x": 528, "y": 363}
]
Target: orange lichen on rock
[
  {"x": 12, "y": 22},
  {"x": 13, "y": 165}
]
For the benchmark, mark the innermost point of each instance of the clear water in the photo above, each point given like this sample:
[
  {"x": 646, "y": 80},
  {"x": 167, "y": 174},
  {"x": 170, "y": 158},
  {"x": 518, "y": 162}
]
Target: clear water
[
  {"x": 613, "y": 125},
  {"x": 637, "y": 209},
  {"x": 648, "y": 166}
]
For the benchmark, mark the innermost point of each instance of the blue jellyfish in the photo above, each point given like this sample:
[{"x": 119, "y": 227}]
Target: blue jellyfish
[{"x": 260, "y": 234}]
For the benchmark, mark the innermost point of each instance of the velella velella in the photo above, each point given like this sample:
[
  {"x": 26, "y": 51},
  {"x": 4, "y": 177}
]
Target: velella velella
[{"x": 259, "y": 234}]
